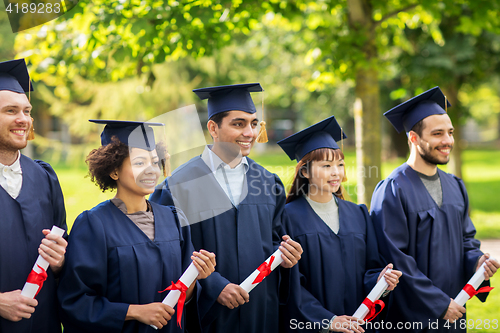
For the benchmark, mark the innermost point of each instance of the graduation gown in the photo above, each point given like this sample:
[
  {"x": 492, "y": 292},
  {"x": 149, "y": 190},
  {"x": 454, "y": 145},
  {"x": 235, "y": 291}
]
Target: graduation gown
[
  {"x": 242, "y": 238},
  {"x": 433, "y": 246},
  {"x": 336, "y": 271},
  {"x": 111, "y": 264},
  {"x": 40, "y": 205}
]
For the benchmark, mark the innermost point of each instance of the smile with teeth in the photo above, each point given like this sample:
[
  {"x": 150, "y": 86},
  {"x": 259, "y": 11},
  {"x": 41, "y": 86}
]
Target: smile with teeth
[
  {"x": 148, "y": 182},
  {"x": 19, "y": 132},
  {"x": 244, "y": 143},
  {"x": 445, "y": 150}
]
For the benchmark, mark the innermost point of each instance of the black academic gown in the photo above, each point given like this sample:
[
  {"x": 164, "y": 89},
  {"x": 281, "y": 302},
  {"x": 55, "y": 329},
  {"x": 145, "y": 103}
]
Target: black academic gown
[
  {"x": 336, "y": 271},
  {"x": 242, "y": 238},
  {"x": 40, "y": 205},
  {"x": 111, "y": 264},
  {"x": 433, "y": 246}
]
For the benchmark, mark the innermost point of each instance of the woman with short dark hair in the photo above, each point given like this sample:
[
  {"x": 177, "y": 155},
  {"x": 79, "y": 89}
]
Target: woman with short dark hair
[{"x": 125, "y": 250}]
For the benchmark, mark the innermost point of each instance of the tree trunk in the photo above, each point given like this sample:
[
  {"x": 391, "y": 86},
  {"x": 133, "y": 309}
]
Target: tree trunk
[
  {"x": 455, "y": 113},
  {"x": 367, "y": 90},
  {"x": 369, "y": 154}
]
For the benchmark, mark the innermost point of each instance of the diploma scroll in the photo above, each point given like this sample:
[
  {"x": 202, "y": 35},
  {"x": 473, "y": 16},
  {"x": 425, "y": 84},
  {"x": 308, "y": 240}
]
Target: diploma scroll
[
  {"x": 470, "y": 288},
  {"x": 368, "y": 305},
  {"x": 38, "y": 274},
  {"x": 178, "y": 289},
  {"x": 262, "y": 271}
]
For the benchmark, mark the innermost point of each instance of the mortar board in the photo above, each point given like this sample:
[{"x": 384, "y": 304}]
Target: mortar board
[
  {"x": 14, "y": 76},
  {"x": 320, "y": 135},
  {"x": 135, "y": 134},
  {"x": 229, "y": 98},
  {"x": 407, "y": 114}
]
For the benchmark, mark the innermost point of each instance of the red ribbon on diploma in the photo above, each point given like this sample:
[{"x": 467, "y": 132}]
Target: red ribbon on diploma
[
  {"x": 182, "y": 298},
  {"x": 473, "y": 292},
  {"x": 371, "y": 306},
  {"x": 264, "y": 269},
  {"x": 37, "y": 278}
]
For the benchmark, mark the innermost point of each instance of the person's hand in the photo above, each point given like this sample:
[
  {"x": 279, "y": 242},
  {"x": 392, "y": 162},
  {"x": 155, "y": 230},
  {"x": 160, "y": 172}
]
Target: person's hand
[
  {"x": 491, "y": 266},
  {"x": 157, "y": 314},
  {"x": 347, "y": 324},
  {"x": 204, "y": 262},
  {"x": 454, "y": 312},
  {"x": 233, "y": 296},
  {"x": 14, "y": 306},
  {"x": 52, "y": 249},
  {"x": 392, "y": 277},
  {"x": 291, "y": 252}
]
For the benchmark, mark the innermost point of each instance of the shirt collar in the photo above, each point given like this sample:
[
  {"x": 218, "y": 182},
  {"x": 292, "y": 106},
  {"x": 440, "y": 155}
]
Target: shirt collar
[
  {"x": 16, "y": 166},
  {"x": 213, "y": 161}
]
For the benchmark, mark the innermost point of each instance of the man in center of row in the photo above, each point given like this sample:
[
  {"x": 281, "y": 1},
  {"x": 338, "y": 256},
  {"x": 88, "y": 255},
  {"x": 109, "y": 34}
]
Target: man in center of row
[{"x": 236, "y": 210}]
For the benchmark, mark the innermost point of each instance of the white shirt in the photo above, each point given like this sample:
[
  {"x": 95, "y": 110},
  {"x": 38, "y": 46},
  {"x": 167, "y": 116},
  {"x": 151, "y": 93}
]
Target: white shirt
[
  {"x": 11, "y": 177},
  {"x": 327, "y": 211},
  {"x": 231, "y": 180}
]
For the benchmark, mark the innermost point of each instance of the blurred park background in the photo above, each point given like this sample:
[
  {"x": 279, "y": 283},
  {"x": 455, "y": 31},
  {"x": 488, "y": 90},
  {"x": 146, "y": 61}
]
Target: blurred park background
[{"x": 355, "y": 59}]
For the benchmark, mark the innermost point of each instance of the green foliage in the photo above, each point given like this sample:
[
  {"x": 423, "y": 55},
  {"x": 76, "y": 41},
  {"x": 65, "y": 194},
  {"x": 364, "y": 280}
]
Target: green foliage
[{"x": 7, "y": 51}]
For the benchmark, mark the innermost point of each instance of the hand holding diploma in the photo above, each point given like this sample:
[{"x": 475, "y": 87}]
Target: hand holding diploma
[
  {"x": 53, "y": 248},
  {"x": 51, "y": 253},
  {"x": 491, "y": 265},
  {"x": 391, "y": 276},
  {"x": 202, "y": 266},
  {"x": 291, "y": 252},
  {"x": 486, "y": 268},
  {"x": 366, "y": 311},
  {"x": 287, "y": 255},
  {"x": 14, "y": 306}
]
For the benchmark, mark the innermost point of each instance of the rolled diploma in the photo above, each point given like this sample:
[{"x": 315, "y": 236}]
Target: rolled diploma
[
  {"x": 474, "y": 281},
  {"x": 188, "y": 277},
  {"x": 247, "y": 285},
  {"x": 373, "y": 296},
  {"x": 30, "y": 289}
]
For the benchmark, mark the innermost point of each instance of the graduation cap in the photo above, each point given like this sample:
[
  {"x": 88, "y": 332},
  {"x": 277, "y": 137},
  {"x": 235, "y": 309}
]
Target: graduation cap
[
  {"x": 14, "y": 76},
  {"x": 407, "y": 114},
  {"x": 136, "y": 134},
  {"x": 229, "y": 98},
  {"x": 233, "y": 97},
  {"x": 320, "y": 135}
]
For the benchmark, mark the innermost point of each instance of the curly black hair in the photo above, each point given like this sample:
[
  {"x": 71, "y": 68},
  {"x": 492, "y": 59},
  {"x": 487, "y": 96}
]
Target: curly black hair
[{"x": 103, "y": 161}]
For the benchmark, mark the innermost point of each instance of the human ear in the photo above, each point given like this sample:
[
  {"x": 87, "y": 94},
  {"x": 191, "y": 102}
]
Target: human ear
[
  {"x": 412, "y": 137},
  {"x": 114, "y": 175},
  {"x": 212, "y": 126},
  {"x": 304, "y": 173}
]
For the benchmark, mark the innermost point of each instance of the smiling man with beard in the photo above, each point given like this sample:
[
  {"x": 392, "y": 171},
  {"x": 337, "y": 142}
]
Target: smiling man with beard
[
  {"x": 31, "y": 202},
  {"x": 421, "y": 217}
]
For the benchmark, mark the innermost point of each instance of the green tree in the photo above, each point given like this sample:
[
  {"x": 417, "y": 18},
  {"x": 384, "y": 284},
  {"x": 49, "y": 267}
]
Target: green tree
[{"x": 356, "y": 40}]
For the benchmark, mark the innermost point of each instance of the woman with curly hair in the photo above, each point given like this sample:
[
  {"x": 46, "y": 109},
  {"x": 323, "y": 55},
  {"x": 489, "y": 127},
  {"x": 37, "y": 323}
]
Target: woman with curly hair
[
  {"x": 341, "y": 261},
  {"x": 125, "y": 250}
]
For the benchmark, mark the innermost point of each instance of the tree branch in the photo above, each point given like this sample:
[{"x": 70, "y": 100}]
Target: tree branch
[{"x": 394, "y": 13}]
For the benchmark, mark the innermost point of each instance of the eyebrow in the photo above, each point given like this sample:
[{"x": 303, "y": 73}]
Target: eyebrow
[
  {"x": 16, "y": 107},
  {"x": 142, "y": 157},
  {"x": 243, "y": 119},
  {"x": 442, "y": 129}
]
